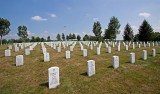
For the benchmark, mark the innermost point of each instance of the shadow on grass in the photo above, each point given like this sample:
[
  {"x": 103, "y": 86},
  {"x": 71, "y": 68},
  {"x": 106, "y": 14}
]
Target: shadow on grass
[
  {"x": 84, "y": 74},
  {"x": 41, "y": 60},
  {"x": 44, "y": 85},
  {"x": 13, "y": 64},
  {"x": 127, "y": 62},
  {"x": 110, "y": 66}
]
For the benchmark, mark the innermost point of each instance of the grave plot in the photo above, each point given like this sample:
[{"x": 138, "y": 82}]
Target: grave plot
[{"x": 75, "y": 74}]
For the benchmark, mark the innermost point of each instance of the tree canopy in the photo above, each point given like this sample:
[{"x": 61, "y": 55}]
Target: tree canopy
[
  {"x": 145, "y": 31},
  {"x": 22, "y": 32},
  {"x": 113, "y": 29},
  {"x": 128, "y": 33},
  {"x": 4, "y": 27},
  {"x": 97, "y": 30}
]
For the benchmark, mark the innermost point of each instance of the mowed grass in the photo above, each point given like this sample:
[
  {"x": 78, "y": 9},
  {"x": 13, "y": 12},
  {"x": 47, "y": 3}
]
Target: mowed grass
[{"x": 32, "y": 78}]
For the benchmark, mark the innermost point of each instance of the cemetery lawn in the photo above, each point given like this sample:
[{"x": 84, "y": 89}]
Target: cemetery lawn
[{"x": 32, "y": 78}]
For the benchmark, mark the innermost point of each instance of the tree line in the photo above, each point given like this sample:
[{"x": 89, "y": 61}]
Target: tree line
[
  {"x": 145, "y": 31},
  {"x": 110, "y": 33}
]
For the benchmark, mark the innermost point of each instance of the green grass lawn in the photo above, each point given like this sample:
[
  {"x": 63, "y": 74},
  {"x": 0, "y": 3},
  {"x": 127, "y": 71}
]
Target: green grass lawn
[{"x": 32, "y": 78}]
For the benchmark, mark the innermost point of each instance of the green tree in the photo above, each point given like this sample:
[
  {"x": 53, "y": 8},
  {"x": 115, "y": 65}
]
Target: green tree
[
  {"x": 86, "y": 38},
  {"x": 58, "y": 37},
  {"x": 70, "y": 36},
  {"x": 78, "y": 37},
  {"x": 42, "y": 39},
  {"x": 128, "y": 33},
  {"x": 63, "y": 36},
  {"x": 97, "y": 30},
  {"x": 145, "y": 31},
  {"x": 155, "y": 36},
  {"x": 33, "y": 39},
  {"x": 22, "y": 32},
  {"x": 37, "y": 39},
  {"x": 67, "y": 37},
  {"x": 4, "y": 41},
  {"x": 4, "y": 27},
  {"x": 48, "y": 38},
  {"x": 136, "y": 37},
  {"x": 73, "y": 36},
  {"x": 113, "y": 29}
]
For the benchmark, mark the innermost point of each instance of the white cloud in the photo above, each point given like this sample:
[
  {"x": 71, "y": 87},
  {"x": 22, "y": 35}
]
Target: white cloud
[
  {"x": 145, "y": 14},
  {"x": 38, "y": 18},
  {"x": 53, "y": 15}
]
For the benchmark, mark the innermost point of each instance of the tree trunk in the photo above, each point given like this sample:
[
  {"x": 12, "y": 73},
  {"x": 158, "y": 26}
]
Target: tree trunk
[{"x": 1, "y": 40}]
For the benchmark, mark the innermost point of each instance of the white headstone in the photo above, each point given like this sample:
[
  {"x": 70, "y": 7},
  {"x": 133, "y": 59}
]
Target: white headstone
[
  {"x": 144, "y": 55},
  {"x": 71, "y": 48},
  {"x": 109, "y": 49},
  {"x": 10, "y": 47},
  {"x": 31, "y": 48},
  {"x": 16, "y": 49},
  {"x": 53, "y": 74},
  {"x": 7, "y": 52},
  {"x": 59, "y": 49},
  {"x": 149, "y": 44},
  {"x": 19, "y": 60},
  {"x": 81, "y": 48},
  {"x": 132, "y": 58},
  {"x": 91, "y": 67},
  {"x": 91, "y": 47},
  {"x": 98, "y": 51},
  {"x": 126, "y": 47},
  {"x": 27, "y": 51},
  {"x": 133, "y": 46},
  {"x": 44, "y": 50},
  {"x": 46, "y": 57},
  {"x": 84, "y": 52},
  {"x": 67, "y": 54},
  {"x": 144, "y": 44},
  {"x": 115, "y": 62},
  {"x": 139, "y": 45},
  {"x": 119, "y": 48},
  {"x": 153, "y": 52},
  {"x": 152, "y": 43}
]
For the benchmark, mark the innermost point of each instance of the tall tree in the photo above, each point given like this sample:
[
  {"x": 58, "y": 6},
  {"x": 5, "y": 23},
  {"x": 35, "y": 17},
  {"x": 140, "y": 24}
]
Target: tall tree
[
  {"x": 145, "y": 31},
  {"x": 113, "y": 29},
  {"x": 33, "y": 39},
  {"x": 42, "y": 39},
  {"x": 97, "y": 30},
  {"x": 67, "y": 37},
  {"x": 128, "y": 33},
  {"x": 37, "y": 39},
  {"x": 73, "y": 36},
  {"x": 4, "y": 27},
  {"x": 70, "y": 36},
  {"x": 22, "y": 32},
  {"x": 58, "y": 37},
  {"x": 86, "y": 38},
  {"x": 63, "y": 36},
  {"x": 78, "y": 37},
  {"x": 48, "y": 38}
]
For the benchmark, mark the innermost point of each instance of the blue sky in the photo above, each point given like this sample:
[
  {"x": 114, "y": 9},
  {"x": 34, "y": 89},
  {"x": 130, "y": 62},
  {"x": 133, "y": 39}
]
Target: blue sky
[{"x": 49, "y": 17}]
